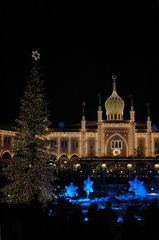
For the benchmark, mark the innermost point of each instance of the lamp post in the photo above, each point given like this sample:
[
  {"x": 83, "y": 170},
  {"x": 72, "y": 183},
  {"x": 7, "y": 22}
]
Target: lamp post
[
  {"x": 129, "y": 166},
  {"x": 156, "y": 166},
  {"x": 104, "y": 167}
]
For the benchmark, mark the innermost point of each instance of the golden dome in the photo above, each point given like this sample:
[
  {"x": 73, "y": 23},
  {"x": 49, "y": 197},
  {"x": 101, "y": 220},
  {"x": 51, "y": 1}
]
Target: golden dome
[{"x": 114, "y": 105}]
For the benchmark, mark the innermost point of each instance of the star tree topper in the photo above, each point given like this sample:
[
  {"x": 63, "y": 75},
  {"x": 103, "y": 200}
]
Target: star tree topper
[{"x": 35, "y": 55}]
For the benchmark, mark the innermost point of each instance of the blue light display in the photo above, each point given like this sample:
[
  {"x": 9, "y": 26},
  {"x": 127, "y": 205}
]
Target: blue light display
[
  {"x": 135, "y": 195},
  {"x": 138, "y": 188},
  {"x": 120, "y": 219},
  {"x": 88, "y": 186},
  {"x": 70, "y": 191},
  {"x": 85, "y": 219}
]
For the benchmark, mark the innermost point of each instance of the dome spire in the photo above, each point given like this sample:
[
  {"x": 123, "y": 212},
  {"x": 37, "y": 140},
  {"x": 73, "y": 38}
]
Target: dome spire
[
  {"x": 83, "y": 109},
  {"x": 99, "y": 101},
  {"x": 149, "y": 128},
  {"x": 83, "y": 121},
  {"x": 114, "y": 83},
  {"x": 148, "y": 109},
  {"x": 132, "y": 112},
  {"x": 131, "y": 97},
  {"x": 99, "y": 112}
]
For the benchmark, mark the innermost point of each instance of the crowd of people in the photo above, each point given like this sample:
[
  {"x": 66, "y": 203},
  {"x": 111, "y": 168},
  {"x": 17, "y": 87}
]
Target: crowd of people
[{"x": 23, "y": 222}]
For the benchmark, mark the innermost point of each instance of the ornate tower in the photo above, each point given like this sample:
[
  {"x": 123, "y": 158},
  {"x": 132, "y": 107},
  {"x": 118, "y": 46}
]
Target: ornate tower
[
  {"x": 149, "y": 130},
  {"x": 83, "y": 132},
  {"x": 132, "y": 129},
  {"x": 132, "y": 112},
  {"x": 100, "y": 120}
]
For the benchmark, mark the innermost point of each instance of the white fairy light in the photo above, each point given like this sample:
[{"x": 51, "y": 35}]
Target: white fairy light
[{"x": 35, "y": 55}]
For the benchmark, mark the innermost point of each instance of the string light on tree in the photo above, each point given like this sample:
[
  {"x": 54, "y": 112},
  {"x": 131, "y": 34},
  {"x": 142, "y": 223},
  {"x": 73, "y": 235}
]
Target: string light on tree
[
  {"x": 29, "y": 172},
  {"x": 36, "y": 55}
]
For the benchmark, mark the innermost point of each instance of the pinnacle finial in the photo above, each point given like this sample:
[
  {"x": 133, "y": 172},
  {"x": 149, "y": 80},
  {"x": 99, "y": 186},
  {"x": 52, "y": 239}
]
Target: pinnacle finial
[
  {"x": 114, "y": 82},
  {"x": 131, "y": 97},
  {"x": 148, "y": 109},
  {"x": 99, "y": 98},
  {"x": 83, "y": 104}
]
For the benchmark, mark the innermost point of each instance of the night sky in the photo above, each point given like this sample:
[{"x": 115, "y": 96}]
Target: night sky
[{"x": 81, "y": 47}]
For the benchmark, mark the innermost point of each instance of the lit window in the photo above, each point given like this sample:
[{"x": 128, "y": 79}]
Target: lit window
[
  {"x": 120, "y": 145},
  {"x": 54, "y": 143},
  {"x": 7, "y": 140},
  {"x": 64, "y": 144},
  {"x": 74, "y": 144},
  {"x": 112, "y": 144},
  {"x": 116, "y": 144},
  {"x": 157, "y": 145}
]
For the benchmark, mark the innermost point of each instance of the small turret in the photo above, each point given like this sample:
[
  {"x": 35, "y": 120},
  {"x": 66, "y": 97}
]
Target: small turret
[
  {"x": 99, "y": 109},
  {"x": 83, "y": 121},
  {"x": 149, "y": 127},
  {"x": 132, "y": 112}
]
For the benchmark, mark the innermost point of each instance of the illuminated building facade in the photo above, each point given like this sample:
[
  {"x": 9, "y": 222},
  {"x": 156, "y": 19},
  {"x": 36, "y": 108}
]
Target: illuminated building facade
[
  {"x": 111, "y": 135},
  {"x": 6, "y": 143}
]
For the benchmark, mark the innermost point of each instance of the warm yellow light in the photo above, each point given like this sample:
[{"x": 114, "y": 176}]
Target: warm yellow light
[
  {"x": 104, "y": 165},
  {"x": 77, "y": 165},
  {"x": 156, "y": 166},
  {"x": 116, "y": 152},
  {"x": 129, "y": 165}
]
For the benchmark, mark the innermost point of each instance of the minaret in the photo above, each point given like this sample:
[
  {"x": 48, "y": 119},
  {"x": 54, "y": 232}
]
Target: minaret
[
  {"x": 149, "y": 127},
  {"x": 83, "y": 122},
  {"x": 99, "y": 109},
  {"x": 83, "y": 132},
  {"x": 149, "y": 130},
  {"x": 132, "y": 129},
  {"x": 99, "y": 143},
  {"x": 132, "y": 112}
]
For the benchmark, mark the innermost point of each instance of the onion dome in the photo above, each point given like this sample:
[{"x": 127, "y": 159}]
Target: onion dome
[{"x": 114, "y": 105}]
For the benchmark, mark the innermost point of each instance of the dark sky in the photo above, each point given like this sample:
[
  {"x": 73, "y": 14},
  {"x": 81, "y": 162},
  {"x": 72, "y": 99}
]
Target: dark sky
[{"x": 81, "y": 47}]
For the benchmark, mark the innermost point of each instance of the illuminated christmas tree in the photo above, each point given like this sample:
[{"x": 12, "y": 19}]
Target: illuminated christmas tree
[{"x": 29, "y": 172}]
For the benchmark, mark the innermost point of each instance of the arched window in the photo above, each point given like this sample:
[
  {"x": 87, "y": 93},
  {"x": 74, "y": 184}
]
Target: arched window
[
  {"x": 112, "y": 144},
  {"x": 120, "y": 144},
  {"x": 6, "y": 155},
  {"x": 116, "y": 144},
  {"x": 64, "y": 144}
]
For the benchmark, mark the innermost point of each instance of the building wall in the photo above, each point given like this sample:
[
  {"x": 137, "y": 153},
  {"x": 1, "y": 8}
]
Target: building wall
[
  {"x": 113, "y": 139},
  {"x": 6, "y": 143}
]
